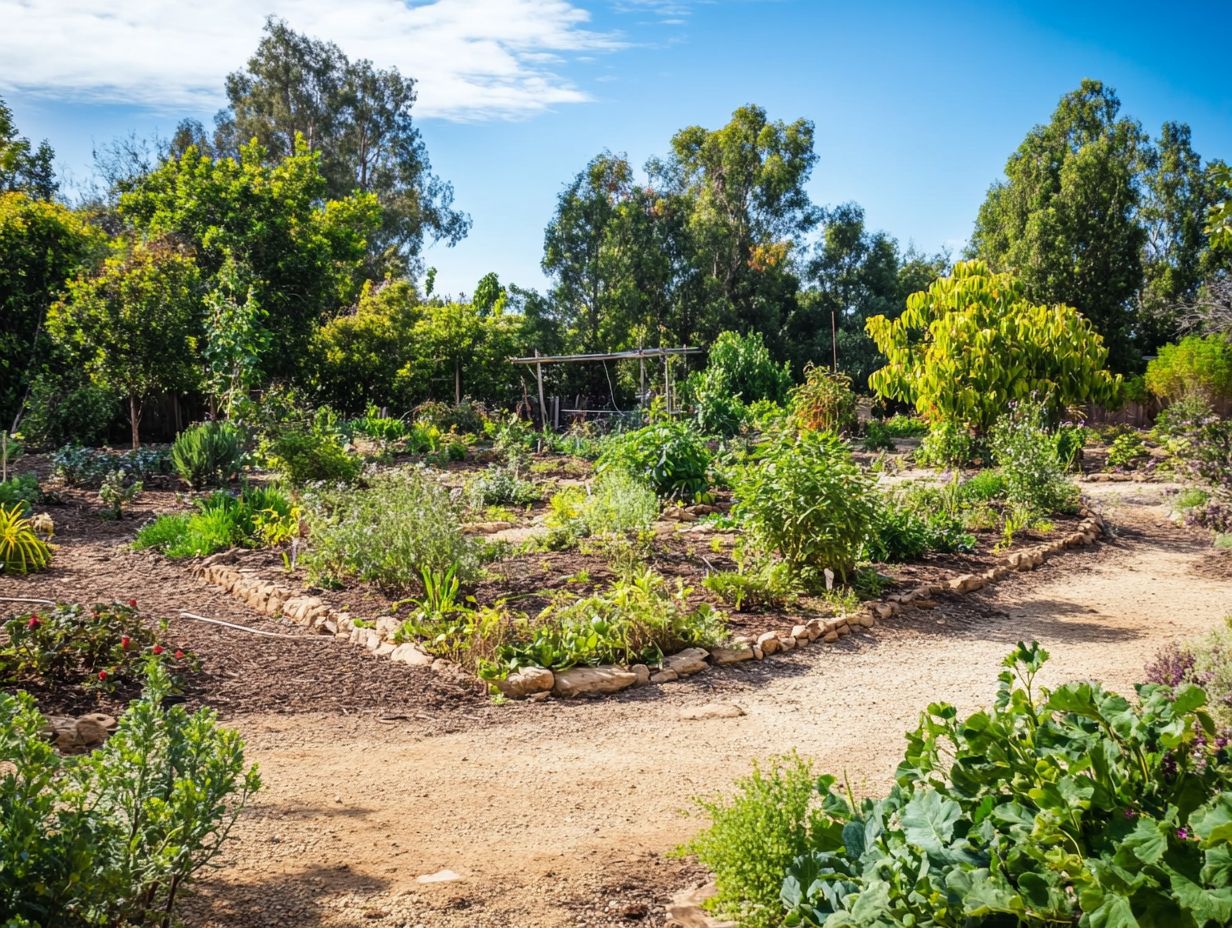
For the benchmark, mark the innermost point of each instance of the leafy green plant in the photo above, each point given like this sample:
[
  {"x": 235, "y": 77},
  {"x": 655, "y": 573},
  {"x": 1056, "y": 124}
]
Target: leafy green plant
[
  {"x": 1127, "y": 450},
  {"x": 116, "y": 493},
  {"x": 877, "y": 437},
  {"x": 805, "y": 498},
  {"x": 1069, "y": 441},
  {"x": 614, "y": 502},
  {"x": 670, "y": 456},
  {"x": 503, "y": 486},
  {"x": 757, "y": 584},
  {"x": 901, "y": 533},
  {"x": 20, "y": 491},
  {"x": 308, "y": 455},
  {"x": 386, "y": 533},
  {"x": 1035, "y": 477},
  {"x": 1066, "y": 807},
  {"x": 739, "y": 371},
  {"x": 115, "y": 837},
  {"x": 948, "y": 445},
  {"x": 101, "y": 647},
  {"x": 87, "y": 467},
  {"x": 208, "y": 453},
  {"x": 900, "y": 426},
  {"x": 825, "y": 401},
  {"x": 1198, "y": 366},
  {"x": 22, "y": 551},
  {"x": 257, "y": 516}
]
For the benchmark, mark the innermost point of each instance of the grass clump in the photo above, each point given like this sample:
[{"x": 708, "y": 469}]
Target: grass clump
[
  {"x": 616, "y": 502},
  {"x": 387, "y": 532},
  {"x": 208, "y": 454},
  {"x": 258, "y": 516}
]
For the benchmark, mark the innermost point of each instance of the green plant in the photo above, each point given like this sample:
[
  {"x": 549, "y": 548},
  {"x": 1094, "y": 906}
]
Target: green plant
[
  {"x": 614, "y": 502},
  {"x": 20, "y": 491},
  {"x": 309, "y": 455},
  {"x": 1190, "y": 498},
  {"x": 102, "y": 647},
  {"x": 805, "y": 498},
  {"x": 257, "y": 516},
  {"x": 386, "y": 533},
  {"x": 22, "y": 551},
  {"x": 208, "y": 453},
  {"x": 502, "y": 486},
  {"x": 115, "y": 837},
  {"x": 824, "y": 402},
  {"x": 902, "y": 533},
  {"x": 901, "y": 426},
  {"x": 1127, "y": 450},
  {"x": 757, "y": 584},
  {"x": 87, "y": 467},
  {"x": 1026, "y": 453},
  {"x": 972, "y": 343},
  {"x": 739, "y": 371},
  {"x": 877, "y": 437},
  {"x": 670, "y": 456},
  {"x": 1067, "y": 807},
  {"x": 116, "y": 493},
  {"x": 983, "y": 487},
  {"x": 1069, "y": 441},
  {"x": 948, "y": 445},
  {"x": 1198, "y": 366}
]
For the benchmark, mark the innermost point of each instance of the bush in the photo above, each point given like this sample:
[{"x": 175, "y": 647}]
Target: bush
[
  {"x": 208, "y": 453},
  {"x": 877, "y": 437},
  {"x": 948, "y": 445},
  {"x": 465, "y": 418},
  {"x": 22, "y": 551},
  {"x": 101, "y": 648},
  {"x": 116, "y": 492},
  {"x": 258, "y": 516},
  {"x": 64, "y": 408},
  {"x": 388, "y": 533},
  {"x": 1034, "y": 476},
  {"x": 88, "y": 467},
  {"x": 1203, "y": 443},
  {"x": 1069, "y": 807},
  {"x": 900, "y": 533},
  {"x": 805, "y": 498},
  {"x": 739, "y": 371},
  {"x": 1127, "y": 450},
  {"x": 1195, "y": 367},
  {"x": 900, "y": 426},
  {"x": 670, "y": 456},
  {"x": 638, "y": 619},
  {"x": 115, "y": 837},
  {"x": 762, "y": 584},
  {"x": 308, "y": 455},
  {"x": 614, "y": 502},
  {"x": 825, "y": 401},
  {"x": 20, "y": 491},
  {"x": 502, "y": 486}
]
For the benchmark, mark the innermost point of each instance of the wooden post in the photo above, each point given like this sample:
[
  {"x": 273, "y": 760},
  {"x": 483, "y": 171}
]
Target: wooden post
[
  {"x": 543, "y": 407},
  {"x": 641, "y": 365}
]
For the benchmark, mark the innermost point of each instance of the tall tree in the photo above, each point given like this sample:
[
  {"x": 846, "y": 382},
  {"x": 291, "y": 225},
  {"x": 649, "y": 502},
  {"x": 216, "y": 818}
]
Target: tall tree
[
  {"x": 744, "y": 185},
  {"x": 358, "y": 117},
  {"x": 1065, "y": 219},
  {"x": 136, "y": 323},
  {"x": 24, "y": 167}
]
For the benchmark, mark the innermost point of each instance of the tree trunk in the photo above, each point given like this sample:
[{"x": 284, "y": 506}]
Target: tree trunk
[{"x": 134, "y": 416}]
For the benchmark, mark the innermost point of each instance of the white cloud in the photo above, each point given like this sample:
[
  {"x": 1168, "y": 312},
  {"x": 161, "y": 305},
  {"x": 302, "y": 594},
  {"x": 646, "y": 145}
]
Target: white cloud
[{"x": 473, "y": 59}]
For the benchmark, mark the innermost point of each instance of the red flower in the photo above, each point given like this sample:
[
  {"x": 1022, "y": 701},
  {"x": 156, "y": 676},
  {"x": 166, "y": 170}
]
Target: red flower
[
  {"x": 179, "y": 655},
  {"x": 125, "y": 642},
  {"x": 133, "y": 603},
  {"x": 33, "y": 623},
  {"x": 102, "y": 675},
  {"x": 158, "y": 649}
]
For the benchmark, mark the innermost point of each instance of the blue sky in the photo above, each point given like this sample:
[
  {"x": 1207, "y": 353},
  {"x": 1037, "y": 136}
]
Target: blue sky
[{"x": 916, "y": 105}]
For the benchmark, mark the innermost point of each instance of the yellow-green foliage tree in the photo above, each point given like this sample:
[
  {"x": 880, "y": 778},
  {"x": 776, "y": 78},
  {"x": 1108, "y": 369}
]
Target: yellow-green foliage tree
[
  {"x": 1196, "y": 366},
  {"x": 972, "y": 343}
]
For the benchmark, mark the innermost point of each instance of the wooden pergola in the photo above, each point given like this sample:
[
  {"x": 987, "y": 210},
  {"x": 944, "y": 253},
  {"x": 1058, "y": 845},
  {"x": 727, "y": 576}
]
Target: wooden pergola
[{"x": 641, "y": 355}]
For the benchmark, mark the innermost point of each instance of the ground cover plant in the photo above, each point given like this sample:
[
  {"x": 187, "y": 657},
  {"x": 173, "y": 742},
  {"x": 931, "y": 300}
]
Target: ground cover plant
[
  {"x": 115, "y": 837},
  {"x": 669, "y": 455},
  {"x": 1070, "y": 806},
  {"x": 86, "y": 467},
  {"x": 208, "y": 453},
  {"x": 256, "y": 516}
]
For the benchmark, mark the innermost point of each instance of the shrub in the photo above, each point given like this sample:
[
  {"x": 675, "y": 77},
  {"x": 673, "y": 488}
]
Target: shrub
[
  {"x": 388, "y": 532},
  {"x": 805, "y": 498},
  {"x": 825, "y": 401},
  {"x": 1069, "y": 440},
  {"x": 102, "y": 647},
  {"x": 20, "y": 491},
  {"x": 739, "y": 371},
  {"x": 877, "y": 437},
  {"x": 208, "y": 453},
  {"x": 1027, "y": 455},
  {"x": 638, "y": 619},
  {"x": 1074, "y": 806},
  {"x": 1127, "y": 450},
  {"x": 65, "y": 407},
  {"x": 308, "y": 455},
  {"x": 502, "y": 486},
  {"x": 117, "y": 836},
  {"x": 1203, "y": 443},
  {"x": 899, "y": 533},
  {"x": 973, "y": 343},
  {"x": 1197, "y": 366},
  {"x": 465, "y": 418},
  {"x": 948, "y": 445},
  {"x": 670, "y": 456},
  {"x": 900, "y": 426},
  {"x": 88, "y": 467},
  {"x": 22, "y": 551},
  {"x": 116, "y": 493},
  {"x": 762, "y": 584},
  {"x": 258, "y": 516},
  {"x": 983, "y": 487}
]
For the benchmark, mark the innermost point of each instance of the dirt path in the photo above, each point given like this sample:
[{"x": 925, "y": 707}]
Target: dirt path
[{"x": 561, "y": 814}]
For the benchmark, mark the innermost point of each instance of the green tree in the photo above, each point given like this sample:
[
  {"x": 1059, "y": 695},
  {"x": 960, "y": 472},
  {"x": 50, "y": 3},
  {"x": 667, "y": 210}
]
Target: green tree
[
  {"x": 302, "y": 254},
  {"x": 136, "y": 323},
  {"x": 42, "y": 245},
  {"x": 973, "y": 343},
  {"x": 236, "y": 337},
  {"x": 1219, "y": 216},
  {"x": 23, "y": 167},
  {"x": 1065, "y": 219},
  {"x": 358, "y": 118}
]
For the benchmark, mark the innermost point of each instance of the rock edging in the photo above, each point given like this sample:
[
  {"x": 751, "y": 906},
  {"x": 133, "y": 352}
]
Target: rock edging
[{"x": 537, "y": 683}]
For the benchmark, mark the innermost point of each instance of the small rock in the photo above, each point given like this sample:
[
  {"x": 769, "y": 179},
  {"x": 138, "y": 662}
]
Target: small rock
[
  {"x": 580, "y": 680},
  {"x": 441, "y": 876},
  {"x": 787, "y": 642},
  {"x": 801, "y": 633},
  {"x": 526, "y": 681},
  {"x": 830, "y": 637},
  {"x": 688, "y": 661},
  {"x": 410, "y": 654},
  {"x": 664, "y": 676},
  {"x": 731, "y": 655},
  {"x": 769, "y": 643},
  {"x": 642, "y": 672},
  {"x": 713, "y": 710}
]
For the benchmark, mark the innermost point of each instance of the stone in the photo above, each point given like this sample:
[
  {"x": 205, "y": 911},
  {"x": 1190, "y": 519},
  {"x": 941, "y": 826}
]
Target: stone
[
  {"x": 786, "y": 642},
  {"x": 834, "y": 624},
  {"x": 688, "y": 661},
  {"x": 758, "y": 653},
  {"x": 441, "y": 876},
  {"x": 580, "y": 680},
  {"x": 664, "y": 676},
  {"x": 387, "y": 648},
  {"x": 884, "y": 610},
  {"x": 411, "y": 655},
  {"x": 769, "y": 643},
  {"x": 925, "y": 603},
  {"x": 442, "y": 666},
  {"x": 642, "y": 672},
  {"x": 844, "y": 630},
  {"x": 387, "y": 626},
  {"x": 863, "y": 619},
  {"x": 815, "y": 627},
  {"x": 526, "y": 681},
  {"x": 723, "y": 656},
  {"x": 713, "y": 710},
  {"x": 106, "y": 721},
  {"x": 830, "y": 637},
  {"x": 688, "y": 910},
  {"x": 371, "y": 639},
  {"x": 801, "y": 633},
  {"x": 90, "y": 733}
]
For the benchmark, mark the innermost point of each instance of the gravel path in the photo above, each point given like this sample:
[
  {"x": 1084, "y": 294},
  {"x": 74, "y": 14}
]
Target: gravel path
[{"x": 562, "y": 814}]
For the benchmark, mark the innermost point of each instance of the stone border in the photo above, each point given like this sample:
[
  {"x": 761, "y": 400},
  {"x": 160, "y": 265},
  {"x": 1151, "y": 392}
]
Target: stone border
[{"x": 538, "y": 683}]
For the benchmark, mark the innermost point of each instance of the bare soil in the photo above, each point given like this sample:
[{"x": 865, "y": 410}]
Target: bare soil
[{"x": 564, "y": 813}]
